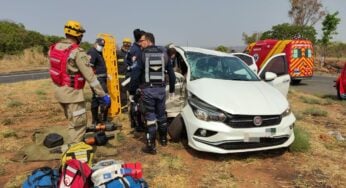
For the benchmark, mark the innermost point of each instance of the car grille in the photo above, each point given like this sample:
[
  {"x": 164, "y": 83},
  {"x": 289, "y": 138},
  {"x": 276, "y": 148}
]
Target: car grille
[
  {"x": 263, "y": 142},
  {"x": 247, "y": 121}
]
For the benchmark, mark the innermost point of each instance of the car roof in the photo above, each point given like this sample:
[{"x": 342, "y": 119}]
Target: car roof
[{"x": 204, "y": 51}]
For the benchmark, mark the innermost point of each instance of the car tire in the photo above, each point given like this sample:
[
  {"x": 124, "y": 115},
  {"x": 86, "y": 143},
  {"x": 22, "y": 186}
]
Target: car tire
[
  {"x": 295, "y": 82},
  {"x": 338, "y": 93},
  {"x": 176, "y": 128}
]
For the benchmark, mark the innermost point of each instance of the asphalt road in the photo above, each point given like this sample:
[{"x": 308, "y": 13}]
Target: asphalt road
[
  {"x": 317, "y": 85},
  {"x": 22, "y": 76}
]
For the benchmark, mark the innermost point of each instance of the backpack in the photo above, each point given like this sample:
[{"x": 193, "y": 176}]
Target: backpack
[
  {"x": 124, "y": 182},
  {"x": 109, "y": 173},
  {"x": 75, "y": 174},
  {"x": 80, "y": 151},
  {"x": 42, "y": 177}
]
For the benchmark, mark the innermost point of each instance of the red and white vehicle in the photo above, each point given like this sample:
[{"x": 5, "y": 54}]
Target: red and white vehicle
[{"x": 340, "y": 84}]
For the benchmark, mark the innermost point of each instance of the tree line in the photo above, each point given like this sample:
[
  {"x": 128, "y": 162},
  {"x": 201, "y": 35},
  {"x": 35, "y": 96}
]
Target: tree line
[
  {"x": 14, "y": 38},
  {"x": 304, "y": 15}
]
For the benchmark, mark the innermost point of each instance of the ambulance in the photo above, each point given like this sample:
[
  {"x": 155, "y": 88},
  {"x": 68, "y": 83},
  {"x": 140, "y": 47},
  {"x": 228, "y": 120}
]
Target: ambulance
[{"x": 299, "y": 55}]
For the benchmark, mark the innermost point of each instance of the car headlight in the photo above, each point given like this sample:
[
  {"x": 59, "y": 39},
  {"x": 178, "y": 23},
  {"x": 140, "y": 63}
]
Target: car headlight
[
  {"x": 286, "y": 112},
  {"x": 204, "y": 111}
]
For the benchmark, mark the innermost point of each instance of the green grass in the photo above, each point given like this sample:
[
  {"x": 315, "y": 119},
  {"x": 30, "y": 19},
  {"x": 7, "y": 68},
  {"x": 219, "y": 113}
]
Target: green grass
[
  {"x": 40, "y": 92},
  {"x": 310, "y": 100},
  {"x": 14, "y": 103},
  {"x": 299, "y": 115},
  {"x": 120, "y": 137},
  {"x": 174, "y": 163},
  {"x": 301, "y": 142},
  {"x": 9, "y": 133},
  {"x": 314, "y": 111},
  {"x": 8, "y": 121}
]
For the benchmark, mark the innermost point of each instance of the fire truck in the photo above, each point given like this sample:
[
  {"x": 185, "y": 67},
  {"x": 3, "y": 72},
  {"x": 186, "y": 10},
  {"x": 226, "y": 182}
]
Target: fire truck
[
  {"x": 299, "y": 55},
  {"x": 340, "y": 84}
]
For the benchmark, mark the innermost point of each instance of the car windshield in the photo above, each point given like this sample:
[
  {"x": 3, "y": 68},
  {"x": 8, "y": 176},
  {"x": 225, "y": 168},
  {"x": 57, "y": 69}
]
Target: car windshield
[{"x": 218, "y": 67}]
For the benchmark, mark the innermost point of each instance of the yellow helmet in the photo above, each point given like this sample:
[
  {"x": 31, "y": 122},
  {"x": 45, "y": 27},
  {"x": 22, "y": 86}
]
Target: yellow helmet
[
  {"x": 127, "y": 40},
  {"x": 74, "y": 28}
]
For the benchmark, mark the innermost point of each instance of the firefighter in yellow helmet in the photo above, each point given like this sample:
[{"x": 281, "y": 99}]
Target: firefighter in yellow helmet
[
  {"x": 122, "y": 71},
  {"x": 69, "y": 69}
]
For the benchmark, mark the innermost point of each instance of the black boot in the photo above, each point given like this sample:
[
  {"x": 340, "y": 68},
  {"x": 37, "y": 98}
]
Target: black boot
[
  {"x": 162, "y": 129},
  {"x": 150, "y": 148},
  {"x": 105, "y": 115},
  {"x": 94, "y": 115}
]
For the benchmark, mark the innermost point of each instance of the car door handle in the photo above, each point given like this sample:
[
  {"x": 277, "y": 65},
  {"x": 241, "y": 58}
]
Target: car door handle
[{"x": 285, "y": 81}]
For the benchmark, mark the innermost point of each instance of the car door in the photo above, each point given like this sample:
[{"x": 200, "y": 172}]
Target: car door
[
  {"x": 248, "y": 59},
  {"x": 277, "y": 64},
  {"x": 174, "y": 105}
]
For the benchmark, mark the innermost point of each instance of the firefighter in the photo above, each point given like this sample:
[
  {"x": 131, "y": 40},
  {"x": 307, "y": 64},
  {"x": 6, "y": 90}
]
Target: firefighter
[
  {"x": 149, "y": 76},
  {"x": 122, "y": 72},
  {"x": 98, "y": 64},
  {"x": 131, "y": 58},
  {"x": 69, "y": 69}
]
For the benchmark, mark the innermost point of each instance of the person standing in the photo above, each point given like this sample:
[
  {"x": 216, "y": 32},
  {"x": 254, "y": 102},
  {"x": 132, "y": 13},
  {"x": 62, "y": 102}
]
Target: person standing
[
  {"x": 98, "y": 64},
  {"x": 149, "y": 76},
  {"x": 69, "y": 69},
  {"x": 122, "y": 72},
  {"x": 131, "y": 58}
]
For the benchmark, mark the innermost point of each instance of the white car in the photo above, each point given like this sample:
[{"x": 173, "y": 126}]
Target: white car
[{"x": 222, "y": 106}]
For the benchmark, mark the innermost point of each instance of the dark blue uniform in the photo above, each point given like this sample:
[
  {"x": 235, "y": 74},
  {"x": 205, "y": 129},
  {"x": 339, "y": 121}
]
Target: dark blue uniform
[
  {"x": 99, "y": 66},
  {"x": 132, "y": 57},
  {"x": 148, "y": 75},
  {"x": 134, "y": 54}
]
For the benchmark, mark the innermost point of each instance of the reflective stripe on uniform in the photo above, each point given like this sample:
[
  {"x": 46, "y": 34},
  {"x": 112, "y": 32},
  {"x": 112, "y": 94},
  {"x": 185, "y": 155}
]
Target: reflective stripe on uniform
[
  {"x": 79, "y": 112},
  {"x": 151, "y": 122},
  {"x": 121, "y": 76},
  {"x": 94, "y": 83},
  {"x": 101, "y": 75}
]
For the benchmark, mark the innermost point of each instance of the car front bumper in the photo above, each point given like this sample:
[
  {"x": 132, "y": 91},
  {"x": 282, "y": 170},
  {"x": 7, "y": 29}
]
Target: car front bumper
[{"x": 222, "y": 138}]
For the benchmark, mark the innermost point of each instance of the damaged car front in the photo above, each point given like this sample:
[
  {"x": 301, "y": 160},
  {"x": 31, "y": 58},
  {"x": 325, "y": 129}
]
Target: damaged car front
[{"x": 227, "y": 107}]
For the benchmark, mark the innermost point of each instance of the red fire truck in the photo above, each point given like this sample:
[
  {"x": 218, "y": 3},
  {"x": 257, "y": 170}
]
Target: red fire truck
[
  {"x": 299, "y": 55},
  {"x": 340, "y": 84}
]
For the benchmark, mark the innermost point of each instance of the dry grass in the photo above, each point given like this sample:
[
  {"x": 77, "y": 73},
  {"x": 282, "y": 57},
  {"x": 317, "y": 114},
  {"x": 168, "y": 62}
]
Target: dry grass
[
  {"x": 26, "y": 106},
  {"x": 31, "y": 59}
]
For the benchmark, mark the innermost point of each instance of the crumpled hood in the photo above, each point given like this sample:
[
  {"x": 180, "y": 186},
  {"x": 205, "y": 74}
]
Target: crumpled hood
[{"x": 239, "y": 97}]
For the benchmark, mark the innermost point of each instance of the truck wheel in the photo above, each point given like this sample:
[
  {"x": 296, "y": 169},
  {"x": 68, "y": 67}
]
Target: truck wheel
[
  {"x": 295, "y": 82},
  {"x": 338, "y": 93},
  {"x": 176, "y": 128}
]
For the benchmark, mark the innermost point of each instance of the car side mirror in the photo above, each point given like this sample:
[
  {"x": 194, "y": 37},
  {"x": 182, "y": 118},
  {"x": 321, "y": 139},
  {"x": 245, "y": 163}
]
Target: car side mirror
[{"x": 269, "y": 76}]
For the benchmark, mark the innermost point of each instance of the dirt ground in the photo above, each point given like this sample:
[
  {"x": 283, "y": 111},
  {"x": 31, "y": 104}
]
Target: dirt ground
[{"x": 29, "y": 105}]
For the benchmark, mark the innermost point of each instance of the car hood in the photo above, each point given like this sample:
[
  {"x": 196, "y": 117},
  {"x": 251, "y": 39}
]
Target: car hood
[{"x": 239, "y": 97}]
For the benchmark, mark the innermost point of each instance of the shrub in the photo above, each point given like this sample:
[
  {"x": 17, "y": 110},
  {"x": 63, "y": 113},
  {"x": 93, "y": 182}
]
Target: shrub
[
  {"x": 9, "y": 133},
  {"x": 301, "y": 142},
  {"x": 315, "y": 112},
  {"x": 14, "y": 103},
  {"x": 7, "y": 121}
]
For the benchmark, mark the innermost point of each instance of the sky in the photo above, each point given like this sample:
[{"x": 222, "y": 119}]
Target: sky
[{"x": 198, "y": 23}]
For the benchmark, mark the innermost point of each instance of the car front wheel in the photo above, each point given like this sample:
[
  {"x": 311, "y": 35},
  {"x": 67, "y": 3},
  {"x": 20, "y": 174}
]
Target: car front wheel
[{"x": 176, "y": 128}]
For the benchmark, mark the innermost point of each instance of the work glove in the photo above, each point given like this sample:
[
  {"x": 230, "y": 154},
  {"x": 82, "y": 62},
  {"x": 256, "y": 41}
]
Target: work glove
[
  {"x": 131, "y": 98},
  {"x": 107, "y": 100}
]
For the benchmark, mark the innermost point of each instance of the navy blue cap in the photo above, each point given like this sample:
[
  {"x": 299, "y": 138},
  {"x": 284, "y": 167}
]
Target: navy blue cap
[{"x": 100, "y": 41}]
